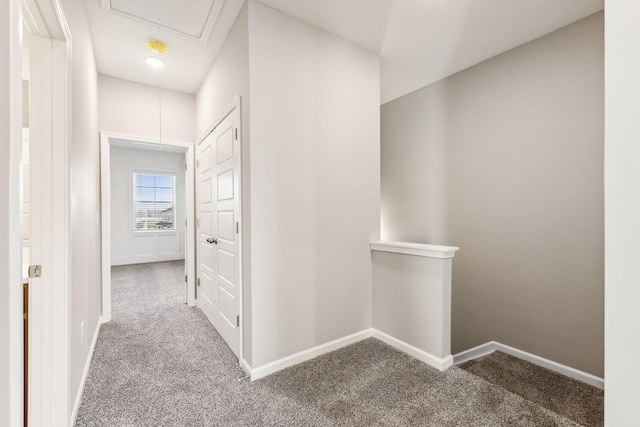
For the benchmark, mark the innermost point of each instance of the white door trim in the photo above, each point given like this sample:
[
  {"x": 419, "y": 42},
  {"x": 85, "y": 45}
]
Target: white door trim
[
  {"x": 234, "y": 107},
  {"x": 105, "y": 190},
  {"x": 11, "y": 336},
  {"x": 50, "y": 132}
]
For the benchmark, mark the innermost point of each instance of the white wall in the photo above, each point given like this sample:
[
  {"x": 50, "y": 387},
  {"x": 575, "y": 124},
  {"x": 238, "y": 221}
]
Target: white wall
[
  {"x": 10, "y": 244},
  {"x": 134, "y": 247},
  {"x": 622, "y": 210},
  {"x": 85, "y": 193},
  {"x": 412, "y": 300},
  {"x": 134, "y": 109},
  {"x": 315, "y": 183},
  {"x": 505, "y": 161},
  {"x": 228, "y": 77}
]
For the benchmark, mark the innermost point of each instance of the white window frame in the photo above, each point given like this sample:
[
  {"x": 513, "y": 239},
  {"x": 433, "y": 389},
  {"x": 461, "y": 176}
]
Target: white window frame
[{"x": 174, "y": 198}]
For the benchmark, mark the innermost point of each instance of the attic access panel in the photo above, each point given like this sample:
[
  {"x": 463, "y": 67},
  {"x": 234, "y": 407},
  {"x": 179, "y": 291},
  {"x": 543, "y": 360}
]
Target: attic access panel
[{"x": 192, "y": 18}]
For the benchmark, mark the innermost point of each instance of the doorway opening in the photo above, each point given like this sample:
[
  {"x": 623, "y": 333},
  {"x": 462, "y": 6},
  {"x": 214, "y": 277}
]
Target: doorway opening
[
  {"x": 24, "y": 209},
  {"x": 147, "y": 208}
]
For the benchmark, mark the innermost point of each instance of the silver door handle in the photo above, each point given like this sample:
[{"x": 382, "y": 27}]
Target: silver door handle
[{"x": 212, "y": 240}]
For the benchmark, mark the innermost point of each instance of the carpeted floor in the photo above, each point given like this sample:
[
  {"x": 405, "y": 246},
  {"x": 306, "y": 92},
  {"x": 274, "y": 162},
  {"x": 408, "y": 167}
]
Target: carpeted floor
[
  {"x": 160, "y": 363},
  {"x": 573, "y": 399}
]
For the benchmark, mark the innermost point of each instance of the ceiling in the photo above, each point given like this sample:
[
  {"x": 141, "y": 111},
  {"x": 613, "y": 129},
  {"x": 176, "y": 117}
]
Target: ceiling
[
  {"x": 194, "y": 31},
  {"x": 193, "y": 19},
  {"x": 419, "y": 41}
]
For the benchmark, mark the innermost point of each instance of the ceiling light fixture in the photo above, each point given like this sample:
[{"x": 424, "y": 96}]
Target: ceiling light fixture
[
  {"x": 157, "y": 46},
  {"x": 154, "y": 62}
]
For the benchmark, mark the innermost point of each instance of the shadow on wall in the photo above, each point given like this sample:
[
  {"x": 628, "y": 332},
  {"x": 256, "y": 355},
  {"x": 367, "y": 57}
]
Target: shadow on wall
[{"x": 505, "y": 161}]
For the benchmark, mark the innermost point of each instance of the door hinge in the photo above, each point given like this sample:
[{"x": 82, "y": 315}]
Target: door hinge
[
  {"x": 198, "y": 163},
  {"x": 185, "y": 166},
  {"x": 198, "y": 222},
  {"x": 236, "y": 132},
  {"x": 238, "y": 320},
  {"x": 35, "y": 271},
  {"x": 198, "y": 281},
  {"x": 186, "y": 278},
  {"x": 237, "y": 227}
]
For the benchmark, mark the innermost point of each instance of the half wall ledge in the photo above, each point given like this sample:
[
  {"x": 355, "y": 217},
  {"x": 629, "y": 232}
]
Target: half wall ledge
[
  {"x": 412, "y": 299},
  {"x": 417, "y": 249}
]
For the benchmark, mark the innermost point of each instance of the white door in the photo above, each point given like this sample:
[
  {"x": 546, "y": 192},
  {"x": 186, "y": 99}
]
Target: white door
[
  {"x": 219, "y": 229},
  {"x": 206, "y": 267},
  {"x": 50, "y": 243}
]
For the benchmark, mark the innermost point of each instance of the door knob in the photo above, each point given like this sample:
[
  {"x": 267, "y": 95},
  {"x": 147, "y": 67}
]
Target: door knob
[{"x": 212, "y": 240}]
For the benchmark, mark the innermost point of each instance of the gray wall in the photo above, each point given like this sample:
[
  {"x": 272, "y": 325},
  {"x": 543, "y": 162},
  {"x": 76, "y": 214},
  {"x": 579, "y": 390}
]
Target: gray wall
[{"x": 505, "y": 160}]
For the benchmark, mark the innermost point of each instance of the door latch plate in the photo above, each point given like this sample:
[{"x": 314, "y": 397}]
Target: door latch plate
[{"x": 35, "y": 271}]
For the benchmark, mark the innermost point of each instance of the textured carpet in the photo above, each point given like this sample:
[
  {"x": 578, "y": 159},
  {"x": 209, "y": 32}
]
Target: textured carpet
[
  {"x": 573, "y": 399},
  {"x": 160, "y": 363}
]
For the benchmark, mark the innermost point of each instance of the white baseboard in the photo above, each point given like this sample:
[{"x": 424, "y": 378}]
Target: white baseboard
[
  {"x": 428, "y": 358},
  {"x": 303, "y": 356},
  {"x": 245, "y": 367},
  {"x": 490, "y": 347},
  {"x": 475, "y": 352},
  {"x": 144, "y": 259},
  {"x": 85, "y": 372}
]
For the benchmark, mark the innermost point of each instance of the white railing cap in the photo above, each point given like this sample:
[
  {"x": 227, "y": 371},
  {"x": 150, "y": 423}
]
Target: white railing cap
[{"x": 417, "y": 249}]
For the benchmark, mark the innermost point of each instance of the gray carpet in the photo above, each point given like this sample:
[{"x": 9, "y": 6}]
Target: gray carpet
[
  {"x": 160, "y": 363},
  {"x": 573, "y": 399}
]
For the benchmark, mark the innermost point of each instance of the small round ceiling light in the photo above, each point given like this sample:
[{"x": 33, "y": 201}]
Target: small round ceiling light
[
  {"x": 154, "y": 62},
  {"x": 157, "y": 46}
]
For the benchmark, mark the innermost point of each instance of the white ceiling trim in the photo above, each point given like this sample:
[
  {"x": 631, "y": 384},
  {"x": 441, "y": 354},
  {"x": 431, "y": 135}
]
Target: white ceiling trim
[
  {"x": 204, "y": 33},
  {"x": 120, "y": 46}
]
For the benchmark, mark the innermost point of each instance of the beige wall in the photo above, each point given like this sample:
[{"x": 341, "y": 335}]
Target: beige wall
[
  {"x": 228, "y": 77},
  {"x": 505, "y": 160}
]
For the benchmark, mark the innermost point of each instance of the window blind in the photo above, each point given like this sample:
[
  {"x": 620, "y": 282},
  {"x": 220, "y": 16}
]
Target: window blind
[{"x": 154, "y": 201}]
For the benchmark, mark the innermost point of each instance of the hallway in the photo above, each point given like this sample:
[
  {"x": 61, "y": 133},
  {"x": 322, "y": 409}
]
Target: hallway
[
  {"x": 160, "y": 363},
  {"x": 157, "y": 357}
]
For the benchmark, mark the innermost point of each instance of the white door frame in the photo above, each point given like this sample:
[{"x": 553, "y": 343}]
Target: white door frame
[
  {"x": 105, "y": 190},
  {"x": 50, "y": 210},
  {"x": 234, "y": 107},
  {"x": 11, "y": 336}
]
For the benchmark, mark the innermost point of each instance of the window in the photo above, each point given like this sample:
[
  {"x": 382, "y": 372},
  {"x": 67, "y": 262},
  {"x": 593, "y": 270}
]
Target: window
[{"x": 154, "y": 201}]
